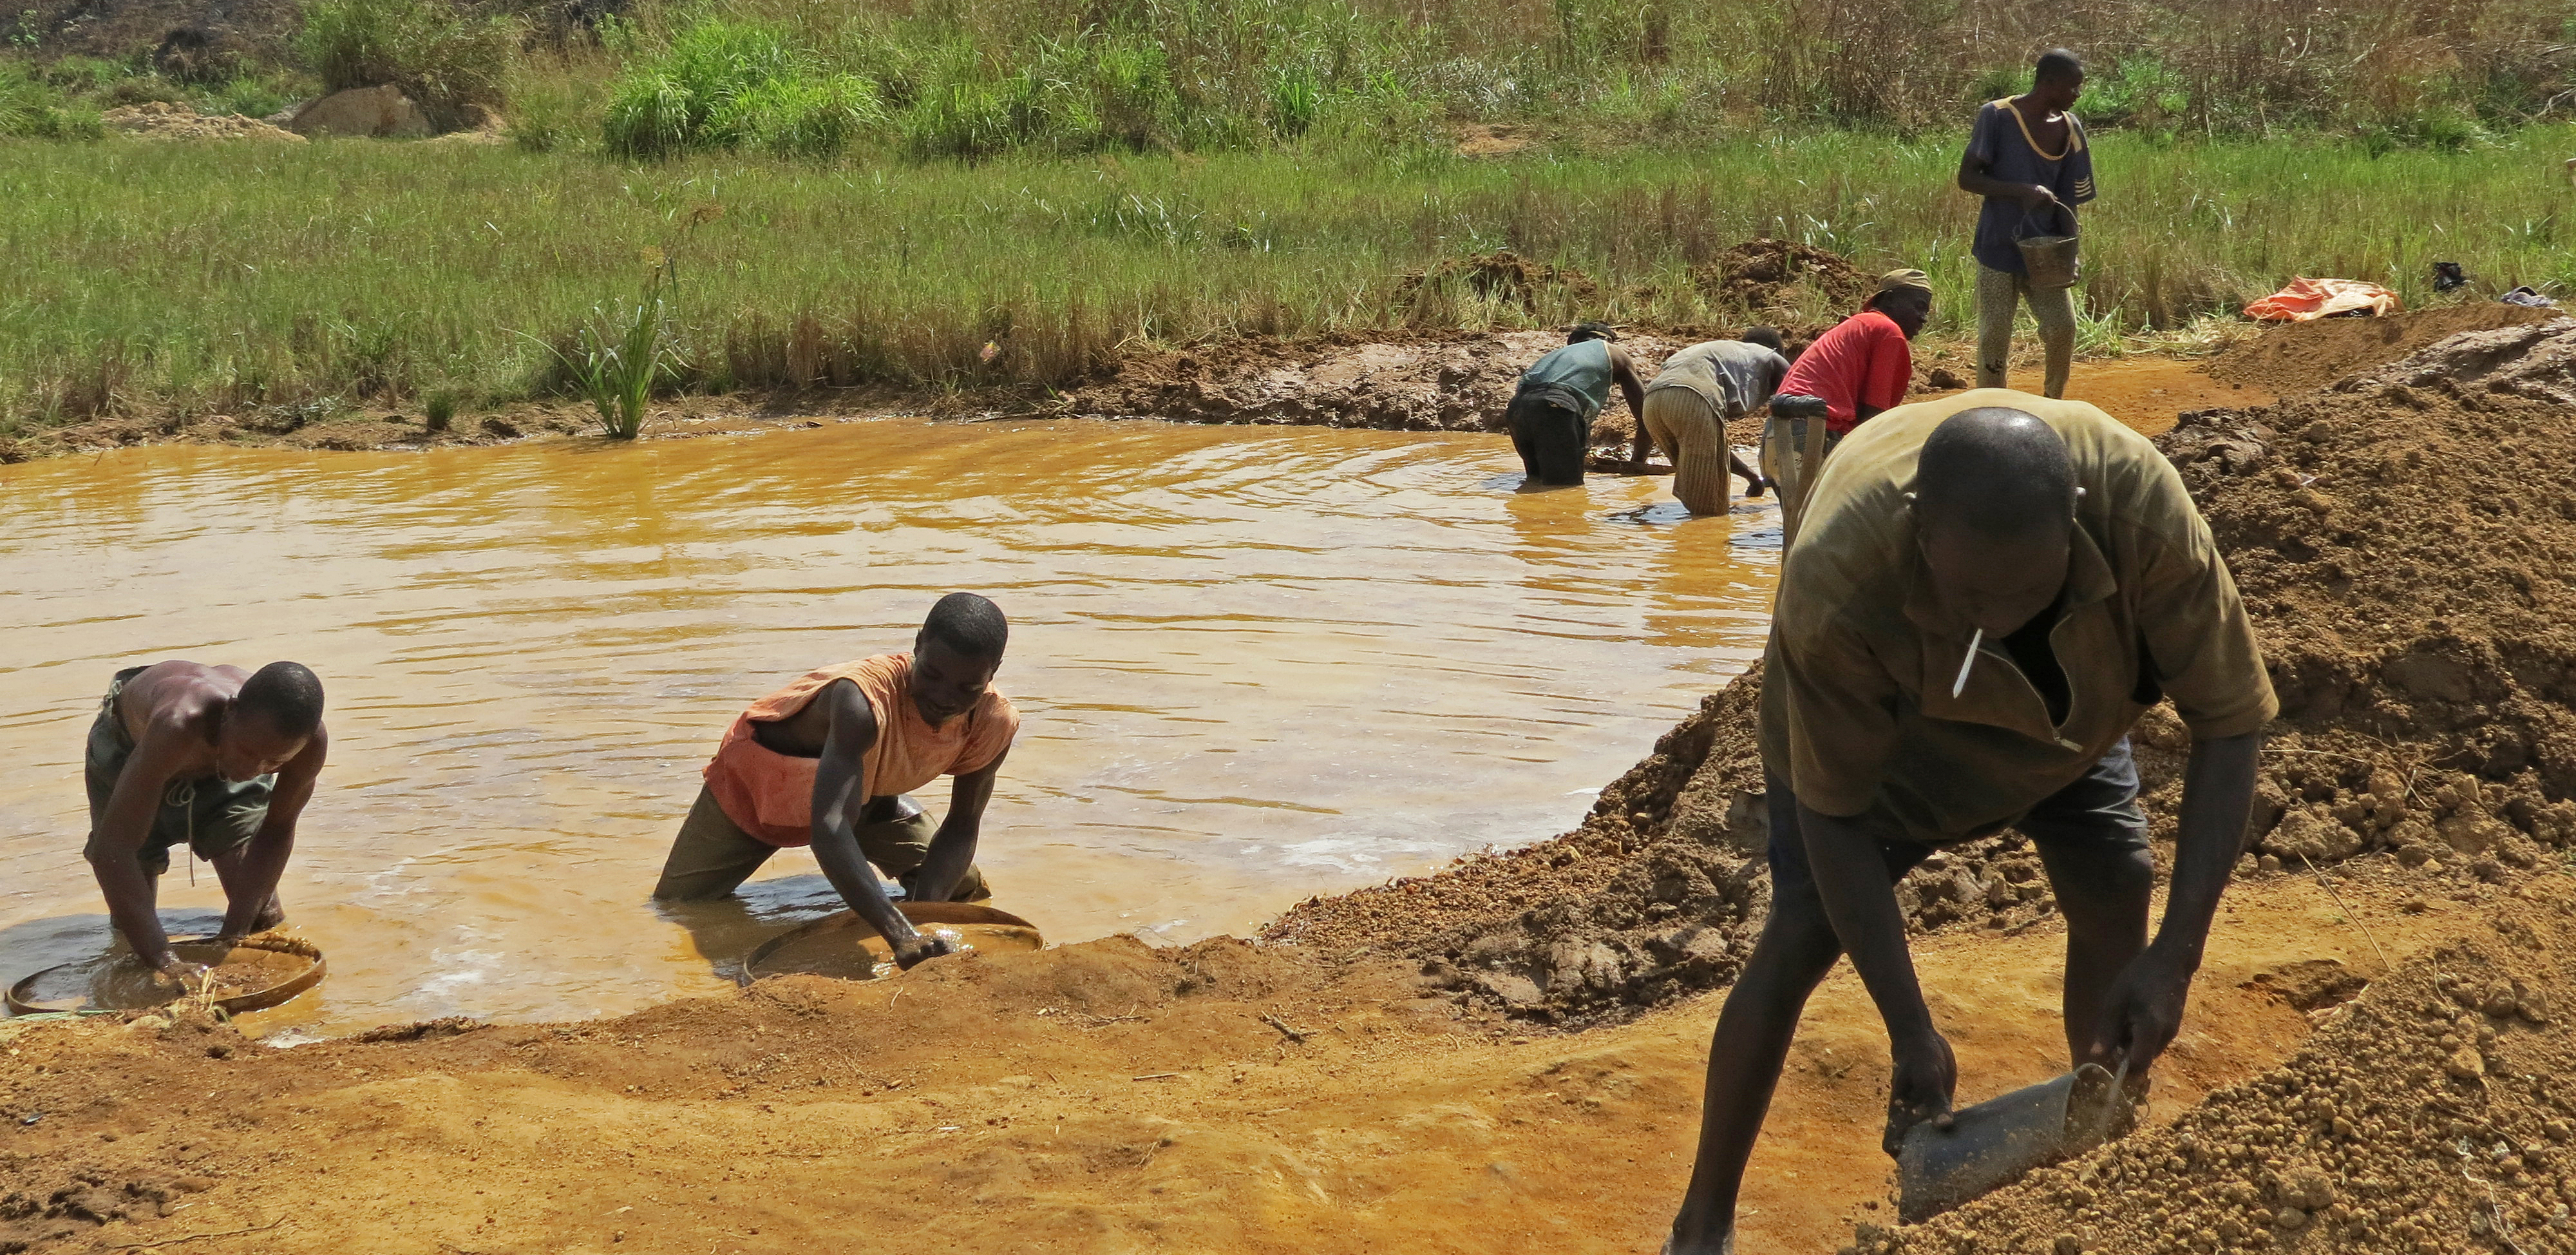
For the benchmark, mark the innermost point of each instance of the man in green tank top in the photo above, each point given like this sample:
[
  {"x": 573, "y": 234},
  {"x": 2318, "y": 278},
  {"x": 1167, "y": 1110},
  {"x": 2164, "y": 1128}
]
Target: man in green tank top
[{"x": 1560, "y": 394}]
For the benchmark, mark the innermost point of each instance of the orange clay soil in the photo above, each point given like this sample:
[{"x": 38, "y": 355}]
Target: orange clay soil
[
  {"x": 1390, "y": 1072},
  {"x": 1099, "y": 1097}
]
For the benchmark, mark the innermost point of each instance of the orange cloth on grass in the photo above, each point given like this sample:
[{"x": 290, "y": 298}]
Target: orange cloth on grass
[
  {"x": 771, "y": 795},
  {"x": 2305, "y": 299}
]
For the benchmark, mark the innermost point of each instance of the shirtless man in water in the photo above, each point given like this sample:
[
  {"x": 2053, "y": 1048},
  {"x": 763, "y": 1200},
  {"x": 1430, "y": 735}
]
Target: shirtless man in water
[
  {"x": 827, "y": 761},
  {"x": 214, "y": 758}
]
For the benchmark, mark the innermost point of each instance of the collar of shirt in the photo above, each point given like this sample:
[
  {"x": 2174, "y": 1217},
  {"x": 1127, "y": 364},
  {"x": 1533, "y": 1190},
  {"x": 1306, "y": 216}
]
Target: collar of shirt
[{"x": 1997, "y": 693}]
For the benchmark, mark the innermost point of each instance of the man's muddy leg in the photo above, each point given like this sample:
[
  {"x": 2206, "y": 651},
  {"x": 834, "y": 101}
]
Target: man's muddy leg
[
  {"x": 229, "y": 872},
  {"x": 2104, "y": 895},
  {"x": 2092, "y": 838},
  {"x": 1745, "y": 1055}
]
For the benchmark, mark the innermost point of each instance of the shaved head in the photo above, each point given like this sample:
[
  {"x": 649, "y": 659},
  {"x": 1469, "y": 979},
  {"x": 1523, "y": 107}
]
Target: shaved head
[
  {"x": 1994, "y": 515},
  {"x": 1998, "y": 474}
]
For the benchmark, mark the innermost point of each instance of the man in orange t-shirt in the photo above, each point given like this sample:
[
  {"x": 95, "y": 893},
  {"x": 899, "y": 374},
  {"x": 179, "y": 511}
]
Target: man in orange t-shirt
[{"x": 828, "y": 759}]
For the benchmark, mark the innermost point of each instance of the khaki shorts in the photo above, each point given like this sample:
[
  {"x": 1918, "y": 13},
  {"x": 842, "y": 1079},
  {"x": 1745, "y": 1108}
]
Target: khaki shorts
[
  {"x": 712, "y": 856},
  {"x": 1792, "y": 451}
]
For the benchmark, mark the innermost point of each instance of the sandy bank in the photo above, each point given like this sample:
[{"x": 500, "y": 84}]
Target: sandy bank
[{"x": 2380, "y": 1053}]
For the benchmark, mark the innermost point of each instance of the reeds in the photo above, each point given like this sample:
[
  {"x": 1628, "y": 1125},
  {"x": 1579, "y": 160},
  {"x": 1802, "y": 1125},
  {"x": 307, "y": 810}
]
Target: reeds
[
  {"x": 227, "y": 279},
  {"x": 619, "y": 357}
]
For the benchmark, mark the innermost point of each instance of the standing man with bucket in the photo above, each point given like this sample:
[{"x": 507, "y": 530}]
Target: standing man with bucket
[
  {"x": 2027, "y": 157},
  {"x": 1985, "y": 596},
  {"x": 828, "y": 759},
  {"x": 1551, "y": 413}
]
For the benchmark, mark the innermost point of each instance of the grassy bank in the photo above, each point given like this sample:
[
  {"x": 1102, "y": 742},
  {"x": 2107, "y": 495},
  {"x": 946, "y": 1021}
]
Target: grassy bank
[{"x": 227, "y": 277}]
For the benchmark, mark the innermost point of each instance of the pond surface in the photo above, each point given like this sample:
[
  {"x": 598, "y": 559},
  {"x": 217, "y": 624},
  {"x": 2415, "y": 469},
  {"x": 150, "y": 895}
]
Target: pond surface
[{"x": 1253, "y": 664}]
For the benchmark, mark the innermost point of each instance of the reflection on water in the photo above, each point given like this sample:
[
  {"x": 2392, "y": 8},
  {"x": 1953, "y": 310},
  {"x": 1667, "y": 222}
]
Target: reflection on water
[{"x": 1253, "y": 665}]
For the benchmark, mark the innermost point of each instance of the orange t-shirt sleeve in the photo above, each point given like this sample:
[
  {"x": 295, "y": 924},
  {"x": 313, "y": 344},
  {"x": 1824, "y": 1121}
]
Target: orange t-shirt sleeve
[
  {"x": 995, "y": 727},
  {"x": 1891, "y": 368}
]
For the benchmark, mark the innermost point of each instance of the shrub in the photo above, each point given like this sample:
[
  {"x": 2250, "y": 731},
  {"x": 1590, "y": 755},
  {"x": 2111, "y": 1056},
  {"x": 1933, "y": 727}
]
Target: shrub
[
  {"x": 29, "y": 109},
  {"x": 727, "y": 85},
  {"x": 618, "y": 359},
  {"x": 443, "y": 58}
]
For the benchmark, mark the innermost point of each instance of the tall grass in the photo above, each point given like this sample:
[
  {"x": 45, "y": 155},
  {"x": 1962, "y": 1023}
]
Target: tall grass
[
  {"x": 444, "y": 56},
  {"x": 229, "y": 277},
  {"x": 31, "y": 108},
  {"x": 619, "y": 357}
]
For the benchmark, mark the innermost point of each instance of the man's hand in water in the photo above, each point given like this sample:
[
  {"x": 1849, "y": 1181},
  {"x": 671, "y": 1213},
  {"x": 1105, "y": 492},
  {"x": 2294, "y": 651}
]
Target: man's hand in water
[
  {"x": 1926, "y": 1076},
  {"x": 1756, "y": 488},
  {"x": 921, "y": 948}
]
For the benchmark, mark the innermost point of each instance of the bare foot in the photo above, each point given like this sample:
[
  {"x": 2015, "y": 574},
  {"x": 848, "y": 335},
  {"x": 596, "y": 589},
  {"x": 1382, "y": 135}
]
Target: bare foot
[{"x": 1722, "y": 1244}]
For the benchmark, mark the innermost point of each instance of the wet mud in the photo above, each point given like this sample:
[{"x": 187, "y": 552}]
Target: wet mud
[{"x": 1103, "y": 1097}]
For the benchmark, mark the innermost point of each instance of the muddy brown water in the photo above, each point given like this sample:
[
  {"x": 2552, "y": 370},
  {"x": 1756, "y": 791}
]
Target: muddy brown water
[{"x": 1253, "y": 665}]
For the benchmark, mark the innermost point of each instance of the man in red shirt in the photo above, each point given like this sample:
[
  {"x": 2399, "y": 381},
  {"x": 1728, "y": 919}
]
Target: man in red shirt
[{"x": 1850, "y": 373}]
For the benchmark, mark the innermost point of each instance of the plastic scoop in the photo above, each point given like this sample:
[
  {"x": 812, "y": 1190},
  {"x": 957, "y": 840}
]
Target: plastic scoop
[{"x": 1989, "y": 1144}]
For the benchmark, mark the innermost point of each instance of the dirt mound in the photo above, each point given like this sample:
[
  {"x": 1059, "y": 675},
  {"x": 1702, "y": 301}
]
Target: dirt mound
[
  {"x": 1657, "y": 895},
  {"x": 1397, "y": 383},
  {"x": 1501, "y": 276},
  {"x": 2430, "y": 1115},
  {"x": 159, "y": 119},
  {"x": 2397, "y": 544},
  {"x": 2299, "y": 356},
  {"x": 1767, "y": 274},
  {"x": 1010, "y": 1088}
]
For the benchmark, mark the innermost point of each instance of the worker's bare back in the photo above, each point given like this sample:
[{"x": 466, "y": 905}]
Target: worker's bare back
[{"x": 182, "y": 698}]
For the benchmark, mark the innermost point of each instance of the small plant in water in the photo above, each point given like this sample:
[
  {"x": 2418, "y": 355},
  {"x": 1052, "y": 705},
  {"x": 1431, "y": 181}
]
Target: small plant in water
[
  {"x": 438, "y": 411},
  {"x": 617, "y": 358}
]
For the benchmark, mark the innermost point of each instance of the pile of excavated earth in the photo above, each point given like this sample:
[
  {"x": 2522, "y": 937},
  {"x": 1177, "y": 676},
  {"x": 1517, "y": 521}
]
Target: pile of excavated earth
[{"x": 1505, "y": 1052}]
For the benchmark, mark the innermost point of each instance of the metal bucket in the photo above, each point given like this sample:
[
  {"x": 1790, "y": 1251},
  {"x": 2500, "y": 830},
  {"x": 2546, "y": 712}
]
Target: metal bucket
[
  {"x": 1989, "y": 1144},
  {"x": 2049, "y": 260}
]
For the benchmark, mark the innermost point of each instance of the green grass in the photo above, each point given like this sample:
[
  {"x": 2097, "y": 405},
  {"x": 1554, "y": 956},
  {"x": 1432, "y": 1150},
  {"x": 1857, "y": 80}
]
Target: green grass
[{"x": 227, "y": 277}]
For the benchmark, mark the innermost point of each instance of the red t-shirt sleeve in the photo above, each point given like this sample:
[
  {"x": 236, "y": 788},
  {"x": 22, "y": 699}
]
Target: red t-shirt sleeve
[{"x": 1891, "y": 367}]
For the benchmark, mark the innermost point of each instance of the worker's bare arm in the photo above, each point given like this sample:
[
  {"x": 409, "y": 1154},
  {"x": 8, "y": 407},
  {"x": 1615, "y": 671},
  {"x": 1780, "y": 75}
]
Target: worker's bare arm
[
  {"x": 1851, "y": 877},
  {"x": 1974, "y": 180},
  {"x": 952, "y": 849},
  {"x": 840, "y": 796},
  {"x": 1753, "y": 481},
  {"x": 2145, "y": 1007},
  {"x": 265, "y": 859},
  {"x": 1623, "y": 372},
  {"x": 171, "y": 742}
]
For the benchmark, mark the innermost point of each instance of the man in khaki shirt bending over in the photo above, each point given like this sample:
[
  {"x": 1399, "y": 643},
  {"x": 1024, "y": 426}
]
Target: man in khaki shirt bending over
[{"x": 2064, "y": 546}]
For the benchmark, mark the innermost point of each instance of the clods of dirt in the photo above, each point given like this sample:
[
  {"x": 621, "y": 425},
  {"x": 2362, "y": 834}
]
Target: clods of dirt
[
  {"x": 1766, "y": 274},
  {"x": 2398, "y": 543},
  {"x": 1458, "y": 382},
  {"x": 2296, "y": 357},
  {"x": 1503, "y": 277},
  {"x": 161, "y": 119},
  {"x": 2430, "y": 1115}
]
